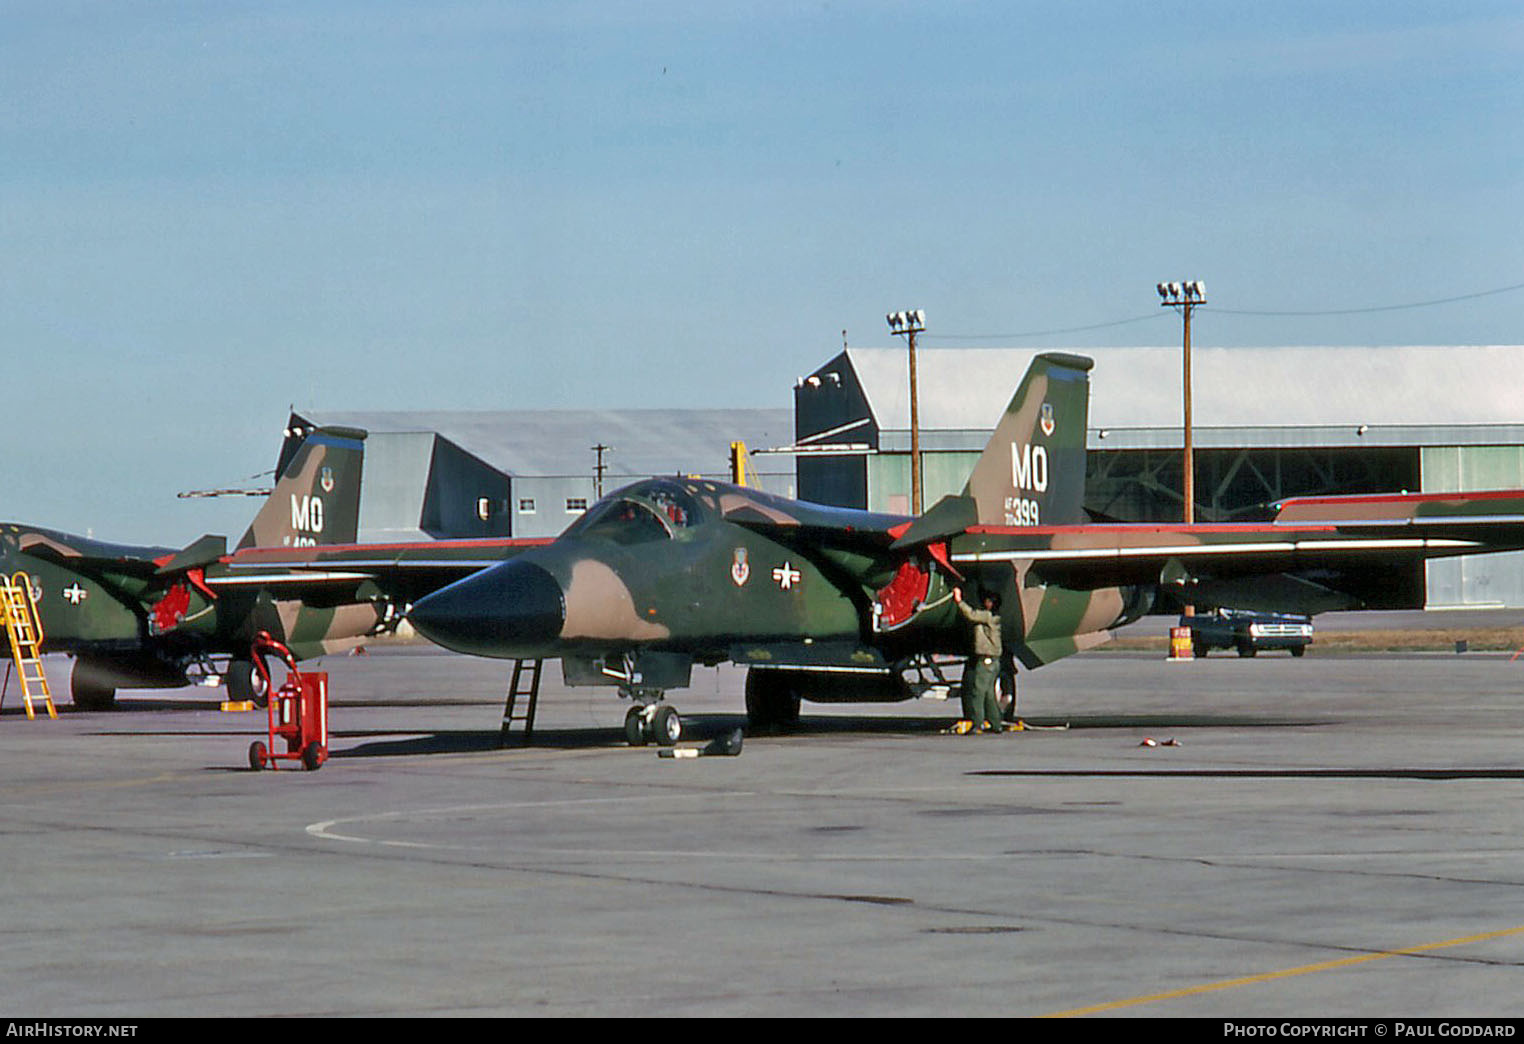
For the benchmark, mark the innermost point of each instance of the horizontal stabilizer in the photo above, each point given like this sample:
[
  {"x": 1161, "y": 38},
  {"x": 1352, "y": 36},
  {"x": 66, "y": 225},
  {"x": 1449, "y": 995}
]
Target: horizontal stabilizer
[
  {"x": 198, "y": 555},
  {"x": 1404, "y": 509},
  {"x": 947, "y": 518}
]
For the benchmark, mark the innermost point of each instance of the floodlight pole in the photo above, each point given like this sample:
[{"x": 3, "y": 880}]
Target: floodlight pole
[
  {"x": 911, "y": 323},
  {"x": 1184, "y": 297},
  {"x": 1190, "y": 445}
]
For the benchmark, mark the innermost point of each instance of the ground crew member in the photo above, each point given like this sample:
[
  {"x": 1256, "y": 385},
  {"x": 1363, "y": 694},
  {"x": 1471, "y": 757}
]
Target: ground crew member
[{"x": 981, "y": 709}]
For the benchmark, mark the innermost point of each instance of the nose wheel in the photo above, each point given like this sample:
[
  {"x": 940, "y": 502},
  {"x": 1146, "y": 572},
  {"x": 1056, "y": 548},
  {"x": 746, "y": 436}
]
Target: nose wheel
[{"x": 657, "y": 723}]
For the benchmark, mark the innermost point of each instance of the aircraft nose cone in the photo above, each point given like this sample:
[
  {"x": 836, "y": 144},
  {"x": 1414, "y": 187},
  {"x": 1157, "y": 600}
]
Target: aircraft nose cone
[{"x": 513, "y": 610}]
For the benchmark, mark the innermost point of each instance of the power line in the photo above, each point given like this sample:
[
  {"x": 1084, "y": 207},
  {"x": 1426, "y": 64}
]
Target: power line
[
  {"x": 1232, "y": 311},
  {"x": 1042, "y": 333},
  {"x": 1380, "y": 308}
]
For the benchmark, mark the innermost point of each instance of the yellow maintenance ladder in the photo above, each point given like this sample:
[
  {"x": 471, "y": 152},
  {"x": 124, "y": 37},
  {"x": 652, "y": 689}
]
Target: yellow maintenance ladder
[{"x": 24, "y": 627}]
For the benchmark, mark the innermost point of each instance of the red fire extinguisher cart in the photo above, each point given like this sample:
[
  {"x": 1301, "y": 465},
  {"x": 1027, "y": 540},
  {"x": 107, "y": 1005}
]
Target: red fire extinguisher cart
[{"x": 298, "y": 711}]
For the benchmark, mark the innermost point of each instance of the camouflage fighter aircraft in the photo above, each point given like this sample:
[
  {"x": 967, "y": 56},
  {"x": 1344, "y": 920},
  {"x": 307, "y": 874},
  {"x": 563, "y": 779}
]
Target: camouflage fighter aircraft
[
  {"x": 156, "y": 617},
  {"x": 839, "y": 605}
]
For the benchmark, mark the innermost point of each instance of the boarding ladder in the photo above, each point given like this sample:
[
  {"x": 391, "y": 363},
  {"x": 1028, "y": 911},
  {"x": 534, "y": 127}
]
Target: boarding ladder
[
  {"x": 524, "y": 687},
  {"x": 24, "y": 627}
]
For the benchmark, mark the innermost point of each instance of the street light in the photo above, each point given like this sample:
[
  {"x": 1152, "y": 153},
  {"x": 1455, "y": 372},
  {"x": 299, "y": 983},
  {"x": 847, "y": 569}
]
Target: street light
[
  {"x": 1184, "y": 297},
  {"x": 909, "y": 324}
]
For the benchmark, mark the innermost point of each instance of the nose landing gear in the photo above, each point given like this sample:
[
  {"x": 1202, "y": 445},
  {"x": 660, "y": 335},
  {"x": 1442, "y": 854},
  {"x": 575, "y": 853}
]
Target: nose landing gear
[{"x": 653, "y": 722}]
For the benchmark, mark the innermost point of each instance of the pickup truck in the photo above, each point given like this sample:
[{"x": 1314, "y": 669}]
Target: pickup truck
[{"x": 1248, "y": 632}]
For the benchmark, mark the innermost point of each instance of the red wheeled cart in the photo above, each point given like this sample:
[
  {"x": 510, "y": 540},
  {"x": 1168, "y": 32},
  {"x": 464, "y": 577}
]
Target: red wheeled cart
[{"x": 298, "y": 711}]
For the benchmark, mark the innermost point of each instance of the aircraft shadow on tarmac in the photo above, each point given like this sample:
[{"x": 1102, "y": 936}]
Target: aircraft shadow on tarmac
[
  {"x": 703, "y": 728},
  {"x": 697, "y": 728}
]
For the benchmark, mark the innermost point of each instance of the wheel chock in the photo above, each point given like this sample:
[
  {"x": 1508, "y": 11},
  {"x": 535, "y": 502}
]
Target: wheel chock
[{"x": 726, "y": 746}]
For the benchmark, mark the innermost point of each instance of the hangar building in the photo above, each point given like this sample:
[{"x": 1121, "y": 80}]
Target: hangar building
[
  {"x": 530, "y": 473},
  {"x": 1268, "y": 423}
]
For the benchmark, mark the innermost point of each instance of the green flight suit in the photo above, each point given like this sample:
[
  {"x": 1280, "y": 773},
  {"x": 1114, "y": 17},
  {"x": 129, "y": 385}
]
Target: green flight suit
[{"x": 978, "y": 690}]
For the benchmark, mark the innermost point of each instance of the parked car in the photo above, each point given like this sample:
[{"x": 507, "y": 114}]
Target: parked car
[{"x": 1248, "y": 631}]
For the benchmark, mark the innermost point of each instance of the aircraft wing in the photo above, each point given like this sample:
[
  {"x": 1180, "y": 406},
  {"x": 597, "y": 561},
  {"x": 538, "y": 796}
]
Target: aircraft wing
[
  {"x": 1327, "y": 544},
  {"x": 403, "y": 570}
]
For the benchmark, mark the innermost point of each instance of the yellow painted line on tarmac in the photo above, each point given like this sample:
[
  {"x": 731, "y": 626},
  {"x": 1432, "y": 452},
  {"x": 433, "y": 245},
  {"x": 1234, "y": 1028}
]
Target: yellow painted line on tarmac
[{"x": 1283, "y": 973}]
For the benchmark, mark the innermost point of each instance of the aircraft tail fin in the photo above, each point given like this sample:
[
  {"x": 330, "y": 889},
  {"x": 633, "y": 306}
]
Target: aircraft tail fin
[
  {"x": 1032, "y": 473},
  {"x": 316, "y": 499}
]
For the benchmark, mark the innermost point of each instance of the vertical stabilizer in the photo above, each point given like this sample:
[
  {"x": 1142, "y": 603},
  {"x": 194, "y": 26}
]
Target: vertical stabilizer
[
  {"x": 316, "y": 499},
  {"x": 1032, "y": 473}
]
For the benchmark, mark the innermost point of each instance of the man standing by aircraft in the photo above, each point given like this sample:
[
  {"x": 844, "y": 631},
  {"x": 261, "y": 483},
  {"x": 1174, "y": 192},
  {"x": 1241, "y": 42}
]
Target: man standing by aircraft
[{"x": 981, "y": 709}]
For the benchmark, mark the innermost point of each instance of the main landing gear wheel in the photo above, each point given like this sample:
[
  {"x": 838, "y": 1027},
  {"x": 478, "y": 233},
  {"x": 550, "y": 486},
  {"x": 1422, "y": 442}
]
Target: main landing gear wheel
[
  {"x": 91, "y": 696},
  {"x": 772, "y": 701},
  {"x": 658, "y": 723},
  {"x": 245, "y": 683},
  {"x": 666, "y": 726},
  {"x": 635, "y": 727}
]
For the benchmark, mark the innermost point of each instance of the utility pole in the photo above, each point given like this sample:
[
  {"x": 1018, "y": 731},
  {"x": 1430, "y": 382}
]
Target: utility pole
[
  {"x": 599, "y": 469},
  {"x": 911, "y": 323}
]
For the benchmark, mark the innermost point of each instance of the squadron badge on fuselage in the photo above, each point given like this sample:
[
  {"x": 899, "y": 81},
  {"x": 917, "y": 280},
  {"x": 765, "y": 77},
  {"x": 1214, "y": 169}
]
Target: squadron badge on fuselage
[{"x": 740, "y": 570}]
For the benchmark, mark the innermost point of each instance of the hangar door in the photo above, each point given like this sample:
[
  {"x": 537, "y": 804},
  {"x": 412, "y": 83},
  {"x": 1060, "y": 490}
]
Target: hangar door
[{"x": 1478, "y": 580}]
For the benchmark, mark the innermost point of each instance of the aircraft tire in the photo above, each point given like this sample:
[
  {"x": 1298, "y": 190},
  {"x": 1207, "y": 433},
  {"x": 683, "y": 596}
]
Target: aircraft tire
[
  {"x": 666, "y": 726},
  {"x": 243, "y": 682},
  {"x": 759, "y": 705},
  {"x": 88, "y": 694},
  {"x": 771, "y": 700},
  {"x": 635, "y": 727}
]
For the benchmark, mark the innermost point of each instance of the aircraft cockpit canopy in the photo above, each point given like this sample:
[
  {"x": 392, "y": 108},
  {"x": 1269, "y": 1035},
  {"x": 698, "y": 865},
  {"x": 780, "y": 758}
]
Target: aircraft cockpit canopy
[{"x": 639, "y": 514}]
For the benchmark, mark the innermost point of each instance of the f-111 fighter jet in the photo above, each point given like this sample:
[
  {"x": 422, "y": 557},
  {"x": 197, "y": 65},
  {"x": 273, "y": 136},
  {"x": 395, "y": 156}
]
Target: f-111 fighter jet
[{"x": 840, "y": 605}]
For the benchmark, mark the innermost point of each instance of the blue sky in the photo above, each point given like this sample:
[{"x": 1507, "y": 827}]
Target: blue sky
[{"x": 212, "y": 211}]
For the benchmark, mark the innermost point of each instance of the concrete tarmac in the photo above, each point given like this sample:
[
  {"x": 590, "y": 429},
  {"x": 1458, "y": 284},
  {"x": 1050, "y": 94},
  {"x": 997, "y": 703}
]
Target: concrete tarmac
[{"x": 1332, "y": 836}]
